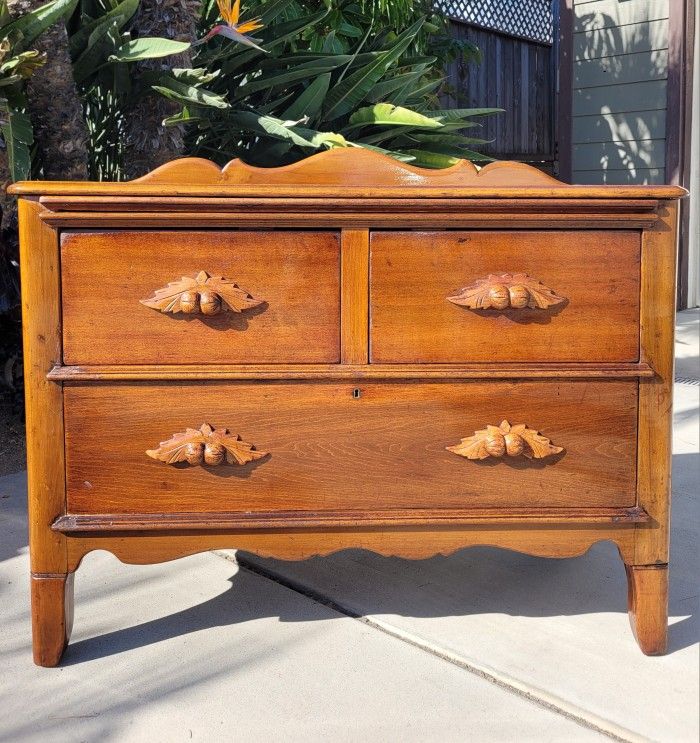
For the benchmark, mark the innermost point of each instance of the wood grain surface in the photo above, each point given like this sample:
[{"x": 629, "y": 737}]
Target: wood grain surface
[
  {"x": 413, "y": 273},
  {"x": 347, "y": 172},
  {"x": 332, "y": 449},
  {"x": 106, "y": 274},
  {"x": 41, "y": 328},
  {"x": 551, "y": 370},
  {"x": 559, "y": 540},
  {"x": 647, "y": 604},
  {"x": 658, "y": 307}
]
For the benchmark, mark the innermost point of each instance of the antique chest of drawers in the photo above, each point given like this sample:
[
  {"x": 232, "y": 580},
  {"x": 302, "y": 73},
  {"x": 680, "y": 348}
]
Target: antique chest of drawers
[{"x": 346, "y": 352}]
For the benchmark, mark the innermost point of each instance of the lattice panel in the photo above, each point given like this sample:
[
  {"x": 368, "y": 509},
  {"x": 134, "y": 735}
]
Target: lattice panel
[{"x": 528, "y": 19}]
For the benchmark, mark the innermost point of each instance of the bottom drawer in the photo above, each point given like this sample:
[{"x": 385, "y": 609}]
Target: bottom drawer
[{"x": 337, "y": 446}]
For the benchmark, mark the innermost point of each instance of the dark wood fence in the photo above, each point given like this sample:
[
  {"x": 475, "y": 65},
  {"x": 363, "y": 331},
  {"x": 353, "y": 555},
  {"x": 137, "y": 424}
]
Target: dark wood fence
[{"x": 517, "y": 75}]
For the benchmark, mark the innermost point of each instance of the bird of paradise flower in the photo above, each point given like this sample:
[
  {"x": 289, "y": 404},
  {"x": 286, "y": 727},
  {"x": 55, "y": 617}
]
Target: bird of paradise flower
[{"x": 230, "y": 11}]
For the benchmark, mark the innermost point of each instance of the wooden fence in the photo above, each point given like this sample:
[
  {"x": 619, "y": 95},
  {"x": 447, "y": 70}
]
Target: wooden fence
[{"x": 517, "y": 75}]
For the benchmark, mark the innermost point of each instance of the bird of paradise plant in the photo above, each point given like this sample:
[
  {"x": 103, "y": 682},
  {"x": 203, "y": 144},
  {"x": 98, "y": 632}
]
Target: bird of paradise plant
[{"x": 230, "y": 11}]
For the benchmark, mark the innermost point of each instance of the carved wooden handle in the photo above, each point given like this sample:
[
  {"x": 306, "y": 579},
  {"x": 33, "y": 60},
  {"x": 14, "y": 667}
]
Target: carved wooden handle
[
  {"x": 203, "y": 294},
  {"x": 205, "y": 445},
  {"x": 502, "y": 291},
  {"x": 506, "y": 440}
]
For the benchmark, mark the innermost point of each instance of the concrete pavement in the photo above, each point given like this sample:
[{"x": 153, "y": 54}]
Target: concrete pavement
[{"x": 485, "y": 645}]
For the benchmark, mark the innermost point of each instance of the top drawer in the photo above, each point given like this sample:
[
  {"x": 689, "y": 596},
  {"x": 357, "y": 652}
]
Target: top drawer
[
  {"x": 594, "y": 277},
  {"x": 293, "y": 316}
]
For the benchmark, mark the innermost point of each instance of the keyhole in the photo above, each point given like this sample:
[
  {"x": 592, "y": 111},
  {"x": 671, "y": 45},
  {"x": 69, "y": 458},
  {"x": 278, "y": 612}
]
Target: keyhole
[{"x": 356, "y": 393}]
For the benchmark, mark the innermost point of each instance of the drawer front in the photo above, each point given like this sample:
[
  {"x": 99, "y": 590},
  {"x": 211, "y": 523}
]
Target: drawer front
[
  {"x": 278, "y": 299},
  {"x": 558, "y": 296},
  {"x": 320, "y": 447}
]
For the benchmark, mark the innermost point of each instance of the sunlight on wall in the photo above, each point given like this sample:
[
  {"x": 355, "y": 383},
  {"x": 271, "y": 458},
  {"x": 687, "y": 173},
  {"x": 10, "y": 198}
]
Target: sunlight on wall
[{"x": 619, "y": 102}]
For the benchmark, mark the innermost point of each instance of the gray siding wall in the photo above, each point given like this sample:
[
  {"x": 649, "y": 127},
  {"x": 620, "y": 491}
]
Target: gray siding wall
[{"x": 619, "y": 100}]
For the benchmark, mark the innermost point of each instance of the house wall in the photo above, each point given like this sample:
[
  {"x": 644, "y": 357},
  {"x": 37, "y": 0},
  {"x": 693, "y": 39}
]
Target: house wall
[
  {"x": 620, "y": 66},
  {"x": 694, "y": 181}
]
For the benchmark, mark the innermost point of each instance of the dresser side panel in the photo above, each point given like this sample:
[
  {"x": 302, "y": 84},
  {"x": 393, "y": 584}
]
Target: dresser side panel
[
  {"x": 658, "y": 306},
  {"x": 41, "y": 320}
]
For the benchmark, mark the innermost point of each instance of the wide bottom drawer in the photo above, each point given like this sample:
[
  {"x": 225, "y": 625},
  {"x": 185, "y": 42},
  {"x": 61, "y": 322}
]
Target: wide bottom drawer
[{"x": 337, "y": 446}]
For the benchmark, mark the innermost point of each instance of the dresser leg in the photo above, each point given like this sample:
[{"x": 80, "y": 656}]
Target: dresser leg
[
  {"x": 647, "y": 603},
  {"x": 52, "y": 616}
]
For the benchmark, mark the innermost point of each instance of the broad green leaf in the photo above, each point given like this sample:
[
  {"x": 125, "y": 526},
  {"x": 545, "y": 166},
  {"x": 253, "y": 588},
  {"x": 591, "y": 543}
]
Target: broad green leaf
[
  {"x": 270, "y": 125},
  {"x": 425, "y": 159},
  {"x": 382, "y": 136},
  {"x": 124, "y": 10},
  {"x": 182, "y": 117},
  {"x": 16, "y": 130},
  {"x": 329, "y": 140},
  {"x": 331, "y": 44},
  {"x": 430, "y": 159},
  {"x": 11, "y": 80},
  {"x": 352, "y": 91},
  {"x": 148, "y": 47},
  {"x": 455, "y": 140},
  {"x": 183, "y": 93},
  {"x": 194, "y": 75},
  {"x": 418, "y": 94},
  {"x": 386, "y": 114},
  {"x": 5, "y": 15},
  {"x": 31, "y": 25},
  {"x": 22, "y": 65},
  {"x": 404, "y": 157},
  {"x": 103, "y": 40},
  {"x": 273, "y": 106},
  {"x": 310, "y": 101},
  {"x": 347, "y": 29},
  {"x": 302, "y": 72},
  {"x": 382, "y": 90},
  {"x": 458, "y": 114}
]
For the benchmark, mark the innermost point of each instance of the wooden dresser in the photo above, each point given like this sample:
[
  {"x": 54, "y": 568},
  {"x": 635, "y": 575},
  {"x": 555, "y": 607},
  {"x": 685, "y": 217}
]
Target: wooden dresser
[{"x": 346, "y": 352}]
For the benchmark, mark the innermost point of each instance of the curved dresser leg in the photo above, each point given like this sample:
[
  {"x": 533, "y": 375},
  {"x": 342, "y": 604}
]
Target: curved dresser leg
[
  {"x": 647, "y": 603},
  {"x": 52, "y": 616}
]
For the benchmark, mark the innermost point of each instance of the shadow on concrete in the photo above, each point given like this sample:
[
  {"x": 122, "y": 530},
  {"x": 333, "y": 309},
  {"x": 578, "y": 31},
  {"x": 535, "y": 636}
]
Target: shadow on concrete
[{"x": 478, "y": 580}]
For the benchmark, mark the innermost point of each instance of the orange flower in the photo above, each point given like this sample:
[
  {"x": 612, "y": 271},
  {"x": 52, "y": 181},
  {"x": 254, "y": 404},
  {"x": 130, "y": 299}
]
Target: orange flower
[{"x": 230, "y": 11}]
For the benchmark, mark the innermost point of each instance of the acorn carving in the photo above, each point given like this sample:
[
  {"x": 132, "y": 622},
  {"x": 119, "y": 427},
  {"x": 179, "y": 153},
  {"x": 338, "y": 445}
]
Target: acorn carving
[
  {"x": 502, "y": 297},
  {"x": 209, "y": 303},
  {"x": 214, "y": 454},
  {"x": 496, "y": 445},
  {"x": 518, "y": 296},
  {"x": 504, "y": 439},
  {"x": 206, "y": 445},
  {"x": 498, "y": 295},
  {"x": 189, "y": 302},
  {"x": 507, "y": 290},
  {"x": 515, "y": 444},
  {"x": 194, "y": 453},
  {"x": 202, "y": 295}
]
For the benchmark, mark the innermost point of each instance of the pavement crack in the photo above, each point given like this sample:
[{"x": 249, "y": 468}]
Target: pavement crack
[{"x": 541, "y": 698}]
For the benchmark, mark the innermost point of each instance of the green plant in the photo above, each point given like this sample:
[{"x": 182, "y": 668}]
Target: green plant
[
  {"x": 102, "y": 48},
  {"x": 17, "y": 63},
  {"x": 283, "y": 102}
]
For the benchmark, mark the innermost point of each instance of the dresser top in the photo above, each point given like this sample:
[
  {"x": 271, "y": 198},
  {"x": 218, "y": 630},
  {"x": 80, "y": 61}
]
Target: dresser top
[{"x": 345, "y": 173}]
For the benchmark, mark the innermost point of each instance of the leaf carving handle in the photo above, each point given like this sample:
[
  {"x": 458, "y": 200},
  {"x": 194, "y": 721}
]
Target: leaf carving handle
[
  {"x": 506, "y": 440},
  {"x": 506, "y": 291},
  {"x": 205, "y": 446},
  {"x": 203, "y": 295}
]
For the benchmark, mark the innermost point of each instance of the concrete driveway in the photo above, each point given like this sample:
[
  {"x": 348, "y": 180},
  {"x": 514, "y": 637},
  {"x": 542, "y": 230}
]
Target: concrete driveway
[{"x": 485, "y": 645}]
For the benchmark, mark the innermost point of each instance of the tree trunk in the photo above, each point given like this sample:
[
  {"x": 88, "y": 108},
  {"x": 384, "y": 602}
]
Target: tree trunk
[{"x": 148, "y": 143}]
